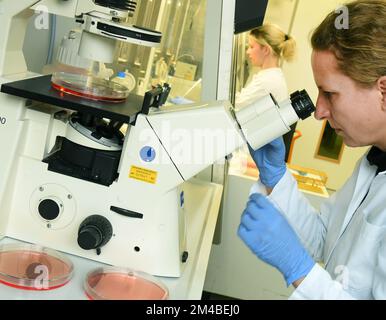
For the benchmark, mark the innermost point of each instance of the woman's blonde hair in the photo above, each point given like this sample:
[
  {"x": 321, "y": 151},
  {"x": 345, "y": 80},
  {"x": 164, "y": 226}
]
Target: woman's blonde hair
[
  {"x": 360, "y": 49},
  {"x": 283, "y": 46}
]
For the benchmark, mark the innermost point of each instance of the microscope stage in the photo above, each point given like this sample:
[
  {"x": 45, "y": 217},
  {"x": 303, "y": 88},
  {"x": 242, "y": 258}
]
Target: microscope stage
[{"x": 40, "y": 89}]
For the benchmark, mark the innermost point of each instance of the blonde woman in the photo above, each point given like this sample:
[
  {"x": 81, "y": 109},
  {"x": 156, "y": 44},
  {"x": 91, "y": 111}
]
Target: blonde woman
[
  {"x": 348, "y": 235},
  {"x": 268, "y": 46}
]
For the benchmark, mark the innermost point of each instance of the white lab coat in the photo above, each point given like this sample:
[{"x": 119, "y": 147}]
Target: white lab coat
[
  {"x": 264, "y": 82},
  {"x": 348, "y": 235}
]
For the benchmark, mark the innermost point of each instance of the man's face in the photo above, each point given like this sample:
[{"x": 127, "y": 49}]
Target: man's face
[
  {"x": 256, "y": 52},
  {"x": 354, "y": 112}
]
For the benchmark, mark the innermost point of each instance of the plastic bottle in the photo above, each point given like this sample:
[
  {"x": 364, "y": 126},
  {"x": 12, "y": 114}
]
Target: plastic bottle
[
  {"x": 125, "y": 79},
  {"x": 161, "y": 70}
]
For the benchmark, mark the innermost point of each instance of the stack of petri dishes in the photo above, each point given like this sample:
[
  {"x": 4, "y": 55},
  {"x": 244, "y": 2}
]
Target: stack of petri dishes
[{"x": 89, "y": 87}]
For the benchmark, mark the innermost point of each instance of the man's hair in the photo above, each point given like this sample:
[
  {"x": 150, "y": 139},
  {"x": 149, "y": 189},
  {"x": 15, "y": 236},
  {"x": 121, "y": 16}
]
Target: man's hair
[{"x": 360, "y": 49}]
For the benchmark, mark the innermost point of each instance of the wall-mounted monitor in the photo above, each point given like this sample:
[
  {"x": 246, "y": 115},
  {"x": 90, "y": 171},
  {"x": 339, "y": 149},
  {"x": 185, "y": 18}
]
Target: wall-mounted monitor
[{"x": 249, "y": 14}]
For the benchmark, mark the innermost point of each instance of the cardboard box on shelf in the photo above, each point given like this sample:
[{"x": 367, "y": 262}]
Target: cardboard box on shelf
[
  {"x": 185, "y": 70},
  {"x": 309, "y": 180}
]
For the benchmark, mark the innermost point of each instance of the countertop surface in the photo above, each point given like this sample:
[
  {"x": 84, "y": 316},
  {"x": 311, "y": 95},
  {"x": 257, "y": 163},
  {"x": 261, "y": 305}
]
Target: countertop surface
[{"x": 201, "y": 216}]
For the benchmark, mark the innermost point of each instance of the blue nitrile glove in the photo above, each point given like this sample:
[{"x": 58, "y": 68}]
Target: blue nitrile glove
[
  {"x": 269, "y": 160},
  {"x": 267, "y": 233},
  {"x": 180, "y": 100}
]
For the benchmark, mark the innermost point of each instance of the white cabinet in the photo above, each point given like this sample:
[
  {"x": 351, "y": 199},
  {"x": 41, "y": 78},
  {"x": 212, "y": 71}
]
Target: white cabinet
[{"x": 233, "y": 270}]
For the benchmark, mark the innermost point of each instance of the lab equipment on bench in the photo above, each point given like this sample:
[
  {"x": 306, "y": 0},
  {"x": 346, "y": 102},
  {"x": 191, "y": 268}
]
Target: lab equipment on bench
[
  {"x": 126, "y": 79},
  {"x": 102, "y": 24},
  {"x": 72, "y": 181}
]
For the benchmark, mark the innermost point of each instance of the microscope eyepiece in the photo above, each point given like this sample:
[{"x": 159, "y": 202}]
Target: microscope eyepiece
[{"x": 302, "y": 104}]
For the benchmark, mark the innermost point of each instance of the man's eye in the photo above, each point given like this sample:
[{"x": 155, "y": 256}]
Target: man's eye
[{"x": 327, "y": 94}]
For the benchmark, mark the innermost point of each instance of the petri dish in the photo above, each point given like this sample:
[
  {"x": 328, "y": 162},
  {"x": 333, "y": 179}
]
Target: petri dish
[
  {"x": 112, "y": 283},
  {"x": 89, "y": 87},
  {"x": 32, "y": 267}
]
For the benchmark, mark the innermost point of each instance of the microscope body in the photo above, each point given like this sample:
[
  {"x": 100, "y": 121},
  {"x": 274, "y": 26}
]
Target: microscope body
[
  {"x": 121, "y": 203},
  {"x": 135, "y": 221},
  {"x": 144, "y": 205}
]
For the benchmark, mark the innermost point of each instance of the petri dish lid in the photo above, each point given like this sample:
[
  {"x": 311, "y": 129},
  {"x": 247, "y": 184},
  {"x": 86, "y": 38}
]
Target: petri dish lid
[
  {"x": 113, "y": 283},
  {"x": 32, "y": 267},
  {"x": 89, "y": 87}
]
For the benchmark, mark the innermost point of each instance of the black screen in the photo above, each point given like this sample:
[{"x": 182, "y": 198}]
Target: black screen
[{"x": 249, "y": 14}]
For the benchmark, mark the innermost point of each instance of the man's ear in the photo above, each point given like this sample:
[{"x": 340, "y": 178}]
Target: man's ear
[
  {"x": 381, "y": 83},
  {"x": 267, "y": 50}
]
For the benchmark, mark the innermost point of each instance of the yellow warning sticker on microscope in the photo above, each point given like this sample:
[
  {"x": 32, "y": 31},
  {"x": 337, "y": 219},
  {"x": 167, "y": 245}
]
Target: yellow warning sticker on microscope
[{"x": 143, "y": 174}]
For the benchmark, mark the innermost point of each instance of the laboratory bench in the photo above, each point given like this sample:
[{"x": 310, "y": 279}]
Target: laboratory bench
[{"x": 201, "y": 217}]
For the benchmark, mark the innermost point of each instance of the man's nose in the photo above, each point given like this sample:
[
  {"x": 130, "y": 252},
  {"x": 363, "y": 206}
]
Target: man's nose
[{"x": 322, "y": 111}]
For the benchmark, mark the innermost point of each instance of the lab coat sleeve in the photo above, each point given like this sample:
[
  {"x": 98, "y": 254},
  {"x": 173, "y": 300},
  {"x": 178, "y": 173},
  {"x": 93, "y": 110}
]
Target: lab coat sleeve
[
  {"x": 309, "y": 225},
  {"x": 251, "y": 93},
  {"x": 379, "y": 286},
  {"x": 318, "y": 285}
]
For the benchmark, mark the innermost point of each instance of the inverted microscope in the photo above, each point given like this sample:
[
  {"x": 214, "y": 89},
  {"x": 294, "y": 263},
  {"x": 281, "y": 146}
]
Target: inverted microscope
[{"x": 72, "y": 181}]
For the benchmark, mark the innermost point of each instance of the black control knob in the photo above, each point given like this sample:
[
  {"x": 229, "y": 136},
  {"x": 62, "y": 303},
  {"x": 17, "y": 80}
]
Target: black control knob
[
  {"x": 94, "y": 232},
  {"x": 49, "y": 209},
  {"x": 185, "y": 256}
]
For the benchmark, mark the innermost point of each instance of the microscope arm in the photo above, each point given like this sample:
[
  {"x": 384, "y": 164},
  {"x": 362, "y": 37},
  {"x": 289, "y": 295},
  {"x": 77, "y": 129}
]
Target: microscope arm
[
  {"x": 196, "y": 136},
  {"x": 76, "y": 8},
  {"x": 14, "y": 17}
]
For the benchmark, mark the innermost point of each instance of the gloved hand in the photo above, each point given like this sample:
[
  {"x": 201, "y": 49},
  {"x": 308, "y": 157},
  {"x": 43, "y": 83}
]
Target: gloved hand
[
  {"x": 180, "y": 100},
  {"x": 269, "y": 160},
  {"x": 267, "y": 233}
]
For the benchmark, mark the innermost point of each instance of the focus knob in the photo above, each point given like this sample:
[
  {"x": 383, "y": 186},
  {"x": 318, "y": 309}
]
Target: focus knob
[{"x": 94, "y": 232}]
